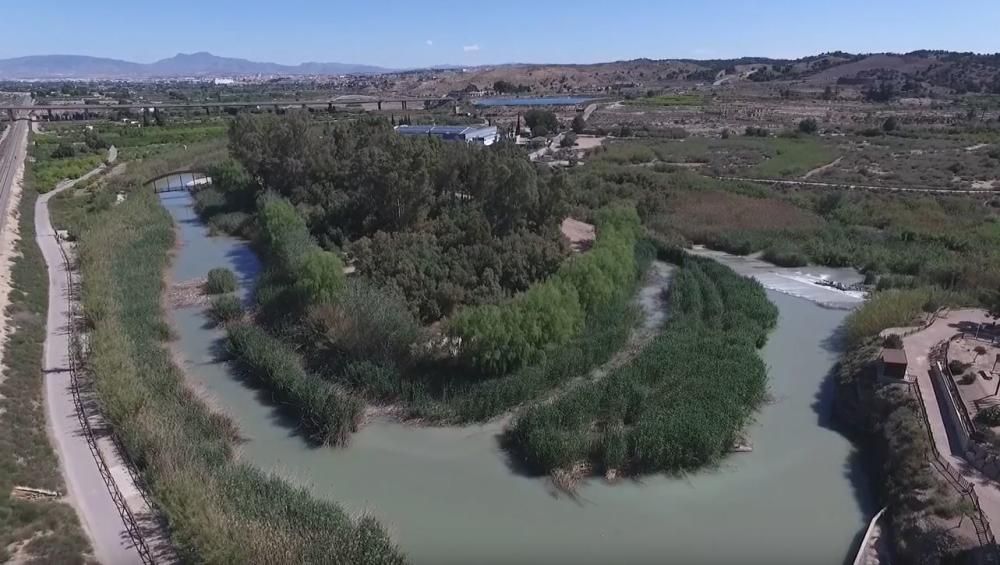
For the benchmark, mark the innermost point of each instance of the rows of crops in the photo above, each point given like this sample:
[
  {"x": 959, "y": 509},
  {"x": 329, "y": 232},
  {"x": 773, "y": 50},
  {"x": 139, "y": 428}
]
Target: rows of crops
[{"x": 681, "y": 403}]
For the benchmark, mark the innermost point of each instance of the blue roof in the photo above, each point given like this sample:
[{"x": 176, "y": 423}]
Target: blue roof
[{"x": 446, "y": 130}]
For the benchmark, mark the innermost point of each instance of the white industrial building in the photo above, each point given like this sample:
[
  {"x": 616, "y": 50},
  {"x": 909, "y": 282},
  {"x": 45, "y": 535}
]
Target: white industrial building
[{"x": 485, "y": 135}]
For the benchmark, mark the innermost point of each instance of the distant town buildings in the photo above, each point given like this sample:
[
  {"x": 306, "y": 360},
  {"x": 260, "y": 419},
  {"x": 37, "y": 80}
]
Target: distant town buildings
[{"x": 485, "y": 135}]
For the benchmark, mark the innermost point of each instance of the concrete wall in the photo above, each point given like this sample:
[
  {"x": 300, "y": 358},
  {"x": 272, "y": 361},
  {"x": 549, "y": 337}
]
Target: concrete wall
[{"x": 949, "y": 409}]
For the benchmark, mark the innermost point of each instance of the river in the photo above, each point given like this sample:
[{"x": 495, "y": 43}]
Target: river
[{"x": 447, "y": 494}]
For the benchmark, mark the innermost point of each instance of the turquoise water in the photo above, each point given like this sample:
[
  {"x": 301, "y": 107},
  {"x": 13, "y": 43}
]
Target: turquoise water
[
  {"x": 546, "y": 101},
  {"x": 447, "y": 494}
]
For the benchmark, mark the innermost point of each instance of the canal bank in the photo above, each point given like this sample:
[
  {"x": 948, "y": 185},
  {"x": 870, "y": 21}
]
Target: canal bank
[{"x": 448, "y": 494}]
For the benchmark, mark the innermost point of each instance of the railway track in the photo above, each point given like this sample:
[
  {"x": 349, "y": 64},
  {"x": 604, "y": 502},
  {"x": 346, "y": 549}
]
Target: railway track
[{"x": 12, "y": 150}]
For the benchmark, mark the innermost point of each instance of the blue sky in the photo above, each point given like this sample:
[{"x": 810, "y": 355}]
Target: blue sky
[{"x": 425, "y": 32}]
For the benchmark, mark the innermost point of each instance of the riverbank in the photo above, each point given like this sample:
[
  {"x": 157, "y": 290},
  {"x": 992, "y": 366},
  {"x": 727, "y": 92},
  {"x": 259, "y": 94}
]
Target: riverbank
[
  {"x": 449, "y": 494},
  {"x": 219, "y": 508}
]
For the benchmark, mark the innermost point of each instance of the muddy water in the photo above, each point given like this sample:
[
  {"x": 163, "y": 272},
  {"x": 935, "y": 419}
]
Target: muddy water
[{"x": 448, "y": 495}]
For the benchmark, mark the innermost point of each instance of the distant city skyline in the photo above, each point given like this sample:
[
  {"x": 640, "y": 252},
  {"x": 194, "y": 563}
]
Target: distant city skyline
[{"x": 397, "y": 34}]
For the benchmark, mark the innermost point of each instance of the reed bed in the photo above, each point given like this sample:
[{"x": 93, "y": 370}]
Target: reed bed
[{"x": 680, "y": 404}]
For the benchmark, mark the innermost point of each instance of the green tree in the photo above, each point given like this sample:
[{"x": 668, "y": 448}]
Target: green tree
[
  {"x": 808, "y": 126},
  {"x": 64, "y": 151},
  {"x": 890, "y": 124},
  {"x": 568, "y": 140},
  {"x": 541, "y": 122},
  {"x": 579, "y": 124},
  {"x": 283, "y": 232},
  {"x": 320, "y": 276}
]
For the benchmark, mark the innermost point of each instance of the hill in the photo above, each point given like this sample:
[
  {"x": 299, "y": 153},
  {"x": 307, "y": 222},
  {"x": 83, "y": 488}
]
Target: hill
[{"x": 180, "y": 65}]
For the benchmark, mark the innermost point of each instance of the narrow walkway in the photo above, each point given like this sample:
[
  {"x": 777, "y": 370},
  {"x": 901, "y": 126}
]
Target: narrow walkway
[
  {"x": 88, "y": 491},
  {"x": 917, "y": 347}
]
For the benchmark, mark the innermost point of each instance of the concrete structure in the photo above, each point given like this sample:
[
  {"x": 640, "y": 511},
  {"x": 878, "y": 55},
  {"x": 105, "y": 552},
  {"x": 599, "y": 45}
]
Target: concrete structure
[
  {"x": 892, "y": 364},
  {"x": 485, "y": 135}
]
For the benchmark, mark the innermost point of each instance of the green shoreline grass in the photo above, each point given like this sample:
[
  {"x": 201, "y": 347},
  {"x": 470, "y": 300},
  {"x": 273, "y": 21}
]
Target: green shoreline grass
[
  {"x": 50, "y": 528},
  {"x": 217, "y": 509}
]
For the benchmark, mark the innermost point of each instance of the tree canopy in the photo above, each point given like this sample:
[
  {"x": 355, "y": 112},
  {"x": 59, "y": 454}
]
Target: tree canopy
[{"x": 441, "y": 223}]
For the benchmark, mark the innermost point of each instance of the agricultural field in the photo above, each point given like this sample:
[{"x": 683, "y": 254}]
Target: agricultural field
[{"x": 668, "y": 100}]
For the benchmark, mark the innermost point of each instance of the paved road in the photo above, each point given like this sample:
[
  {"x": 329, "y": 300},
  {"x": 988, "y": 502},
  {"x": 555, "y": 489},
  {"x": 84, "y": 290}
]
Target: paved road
[
  {"x": 917, "y": 348},
  {"x": 87, "y": 489}
]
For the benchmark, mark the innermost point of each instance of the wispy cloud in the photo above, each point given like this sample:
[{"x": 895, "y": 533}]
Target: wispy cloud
[
  {"x": 468, "y": 48},
  {"x": 430, "y": 42}
]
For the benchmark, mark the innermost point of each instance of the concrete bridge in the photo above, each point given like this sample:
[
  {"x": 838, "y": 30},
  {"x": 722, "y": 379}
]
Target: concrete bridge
[{"x": 13, "y": 111}]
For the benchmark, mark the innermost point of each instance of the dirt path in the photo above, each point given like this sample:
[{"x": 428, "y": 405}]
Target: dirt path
[
  {"x": 652, "y": 303},
  {"x": 825, "y": 167},
  {"x": 870, "y": 187},
  {"x": 917, "y": 347}
]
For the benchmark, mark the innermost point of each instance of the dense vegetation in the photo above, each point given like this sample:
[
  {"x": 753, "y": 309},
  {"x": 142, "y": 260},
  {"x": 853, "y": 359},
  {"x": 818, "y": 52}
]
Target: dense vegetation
[
  {"x": 499, "y": 338},
  {"x": 328, "y": 416},
  {"x": 218, "y": 510},
  {"x": 439, "y": 224},
  {"x": 474, "y": 236},
  {"x": 950, "y": 242},
  {"x": 681, "y": 403}
]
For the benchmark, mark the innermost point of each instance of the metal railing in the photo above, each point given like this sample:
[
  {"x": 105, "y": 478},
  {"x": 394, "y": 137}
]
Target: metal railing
[
  {"x": 131, "y": 526},
  {"x": 984, "y": 533},
  {"x": 939, "y": 361}
]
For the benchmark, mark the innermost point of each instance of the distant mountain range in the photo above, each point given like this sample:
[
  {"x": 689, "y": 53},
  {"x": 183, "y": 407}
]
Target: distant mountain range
[{"x": 181, "y": 65}]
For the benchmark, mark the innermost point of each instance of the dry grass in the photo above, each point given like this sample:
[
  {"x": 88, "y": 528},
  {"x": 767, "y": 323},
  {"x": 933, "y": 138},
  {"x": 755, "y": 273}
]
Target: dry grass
[{"x": 699, "y": 214}]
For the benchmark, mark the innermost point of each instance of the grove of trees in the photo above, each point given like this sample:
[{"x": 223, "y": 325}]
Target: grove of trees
[{"x": 441, "y": 224}]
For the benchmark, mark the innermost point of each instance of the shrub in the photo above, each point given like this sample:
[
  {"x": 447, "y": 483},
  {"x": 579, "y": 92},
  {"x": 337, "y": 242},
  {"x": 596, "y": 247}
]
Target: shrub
[
  {"x": 568, "y": 140},
  {"x": 957, "y": 367},
  {"x": 808, "y": 126},
  {"x": 365, "y": 322},
  {"x": 967, "y": 379},
  {"x": 785, "y": 255},
  {"x": 64, "y": 151},
  {"x": 989, "y": 416},
  {"x": 225, "y": 309},
  {"x": 220, "y": 281},
  {"x": 889, "y": 309},
  {"x": 892, "y": 341}
]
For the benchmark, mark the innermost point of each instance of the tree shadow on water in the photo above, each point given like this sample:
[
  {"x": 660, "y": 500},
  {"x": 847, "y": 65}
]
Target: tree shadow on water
[
  {"x": 281, "y": 415},
  {"x": 857, "y": 468}
]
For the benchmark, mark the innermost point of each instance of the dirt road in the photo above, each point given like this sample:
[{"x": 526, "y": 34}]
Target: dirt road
[{"x": 874, "y": 188}]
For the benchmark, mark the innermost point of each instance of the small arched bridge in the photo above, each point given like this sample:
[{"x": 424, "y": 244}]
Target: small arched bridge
[{"x": 179, "y": 181}]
